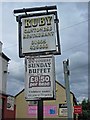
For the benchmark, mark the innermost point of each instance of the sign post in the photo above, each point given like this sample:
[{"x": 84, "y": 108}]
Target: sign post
[
  {"x": 40, "y": 110},
  {"x": 38, "y": 39}
]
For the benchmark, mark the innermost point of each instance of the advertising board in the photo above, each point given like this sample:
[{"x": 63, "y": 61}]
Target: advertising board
[
  {"x": 77, "y": 109},
  {"x": 10, "y": 103},
  {"x": 39, "y": 77},
  {"x": 48, "y": 110},
  {"x": 63, "y": 110},
  {"x": 38, "y": 34}
]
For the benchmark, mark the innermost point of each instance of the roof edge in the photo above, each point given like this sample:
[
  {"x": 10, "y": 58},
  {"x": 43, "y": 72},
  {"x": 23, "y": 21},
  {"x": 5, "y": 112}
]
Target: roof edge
[
  {"x": 5, "y": 94},
  {"x": 63, "y": 86},
  {"x": 58, "y": 84},
  {"x": 5, "y": 57},
  {"x": 19, "y": 92},
  {"x": 74, "y": 98},
  {"x": 24, "y": 89}
]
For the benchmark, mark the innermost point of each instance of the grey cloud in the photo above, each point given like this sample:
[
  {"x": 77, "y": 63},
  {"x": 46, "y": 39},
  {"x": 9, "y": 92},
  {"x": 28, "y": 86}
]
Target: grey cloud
[
  {"x": 80, "y": 89},
  {"x": 19, "y": 75},
  {"x": 16, "y": 70},
  {"x": 79, "y": 67},
  {"x": 15, "y": 86},
  {"x": 83, "y": 6},
  {"x": 78, "y": 59},
  {"x": 83, "y": 9}
]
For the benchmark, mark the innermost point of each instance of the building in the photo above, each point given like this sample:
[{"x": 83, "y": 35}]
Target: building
[
  {"x": 0, "y": 66},
  {"x": 3, "y": 70},
  {"x": 52, "y": 108},
  {"x": 4, "y": 60},
  {"x": 8, "y": 106}
]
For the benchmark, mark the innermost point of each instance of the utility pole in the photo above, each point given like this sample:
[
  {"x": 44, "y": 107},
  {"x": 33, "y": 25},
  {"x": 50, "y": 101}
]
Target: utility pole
[{"x": 66, "y": 78}]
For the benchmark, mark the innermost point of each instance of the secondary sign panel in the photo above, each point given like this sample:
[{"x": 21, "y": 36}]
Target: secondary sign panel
[
  {"x": 38, "y": 34},
  {"x": 10, "y": 103},
  {"x": 40, "y": 77},
  {"x": 63, "y": 110},
  {"x": 48, "y": 110},
  {"x": 77, "y": 109}
]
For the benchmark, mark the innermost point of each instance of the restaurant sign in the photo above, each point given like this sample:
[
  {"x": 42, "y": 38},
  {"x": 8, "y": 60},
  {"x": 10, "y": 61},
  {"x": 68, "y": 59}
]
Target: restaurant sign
[
  {"x": 40, "y": 77},
  {"x": 38, "y": 34}
]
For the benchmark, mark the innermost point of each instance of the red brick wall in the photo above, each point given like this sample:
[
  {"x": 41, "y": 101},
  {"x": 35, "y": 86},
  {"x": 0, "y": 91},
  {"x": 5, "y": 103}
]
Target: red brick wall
[{"x": 8, "y": 113}]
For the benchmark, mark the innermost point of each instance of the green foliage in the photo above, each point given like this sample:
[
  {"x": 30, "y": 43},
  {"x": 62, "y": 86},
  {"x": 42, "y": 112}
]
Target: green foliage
[{"x": 85, "y": 110}]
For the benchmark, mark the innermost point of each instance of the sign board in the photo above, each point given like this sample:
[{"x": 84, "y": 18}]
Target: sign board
[
  {"x": 78, "y": 109},
  {"x": 40, "y": 77},
  {"x": 48, "y": 110},
  {"x": 63, "y": 110},
  {"x": 38, "y": 31},
  {"x": 38, "y": 34},
  {"x": 10, "y": 103}
]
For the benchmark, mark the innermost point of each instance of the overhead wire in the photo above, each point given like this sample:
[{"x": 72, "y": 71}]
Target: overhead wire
[
  {"x": 75, "y": 68},
  {"x": 79, "y": 45},
  {"x": 66, "y": 50},
  {"x": 71, "y": 69},
  {"x": 14, "y": 45},
  {"x": 74, "y": 24},
  {"x": 63, "y": 29},
  {"x": 63, "y": 51}
]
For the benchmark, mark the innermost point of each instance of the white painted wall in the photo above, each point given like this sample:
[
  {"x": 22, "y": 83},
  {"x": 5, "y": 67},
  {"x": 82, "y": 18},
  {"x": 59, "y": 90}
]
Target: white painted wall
[
  {"x": 4, "y": 75},
  {"x": 3, "y": 72},
  {"x": 0, "y": 66}
]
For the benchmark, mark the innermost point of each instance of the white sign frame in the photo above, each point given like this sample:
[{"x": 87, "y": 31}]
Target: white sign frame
[{"x": 44, "y": 87}]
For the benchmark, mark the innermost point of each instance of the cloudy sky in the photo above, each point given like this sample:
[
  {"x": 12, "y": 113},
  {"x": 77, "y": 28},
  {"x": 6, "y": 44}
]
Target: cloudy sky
[{"x": 73, "y": 29}]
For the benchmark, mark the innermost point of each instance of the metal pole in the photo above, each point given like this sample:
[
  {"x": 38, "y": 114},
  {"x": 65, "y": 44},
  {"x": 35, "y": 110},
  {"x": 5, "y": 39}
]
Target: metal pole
[
  {"x": 68, "y": 98},
  {"x": 40, "y": 110},
  {"x": 34, "y": 9}
]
